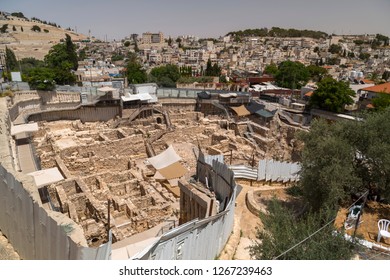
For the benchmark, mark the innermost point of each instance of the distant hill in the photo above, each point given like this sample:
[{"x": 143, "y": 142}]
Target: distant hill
[
  {"x": 278, "y": 32},
  {"x": 31, "y": 37}
]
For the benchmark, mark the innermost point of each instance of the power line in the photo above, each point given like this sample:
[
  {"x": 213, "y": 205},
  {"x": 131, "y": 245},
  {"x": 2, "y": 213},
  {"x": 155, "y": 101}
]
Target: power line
[{"x": 317, "y": 231}]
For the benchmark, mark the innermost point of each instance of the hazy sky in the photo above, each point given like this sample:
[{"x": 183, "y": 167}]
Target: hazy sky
[{"x": 206, "y": 18}]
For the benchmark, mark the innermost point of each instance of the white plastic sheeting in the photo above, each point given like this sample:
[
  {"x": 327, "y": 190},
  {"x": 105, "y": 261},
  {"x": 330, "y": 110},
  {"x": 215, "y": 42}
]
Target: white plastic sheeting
[{"x": 166, "y": 158}]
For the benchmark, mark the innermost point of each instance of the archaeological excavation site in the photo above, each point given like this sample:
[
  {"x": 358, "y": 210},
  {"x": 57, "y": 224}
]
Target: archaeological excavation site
[
  {"x": 142, "y": 168},
  {"x": 102, "y": 164}
]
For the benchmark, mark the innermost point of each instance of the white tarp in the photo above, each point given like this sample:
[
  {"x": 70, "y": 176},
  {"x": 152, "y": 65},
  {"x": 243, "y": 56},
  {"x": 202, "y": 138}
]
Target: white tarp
[
  {"x": 106, "y": 89},
  {"x": 22, "y": 128},
  {"x": 131, "y": 97},
  {"x": 46, "y": 176},
  {"x": 228, "y": 95},
  {"x": 140, "y": 96},
  {"x": 166, "y": 158}
]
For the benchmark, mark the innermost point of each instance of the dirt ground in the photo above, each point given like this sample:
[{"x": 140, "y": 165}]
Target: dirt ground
[
  {"x": 368, "y": 225},
  {"x": 246, "y": 223},
  {"x": 7, "y": 252}
]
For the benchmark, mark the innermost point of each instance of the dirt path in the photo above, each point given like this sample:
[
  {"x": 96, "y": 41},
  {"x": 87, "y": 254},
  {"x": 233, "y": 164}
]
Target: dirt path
[{"x": 244, "y": 230}]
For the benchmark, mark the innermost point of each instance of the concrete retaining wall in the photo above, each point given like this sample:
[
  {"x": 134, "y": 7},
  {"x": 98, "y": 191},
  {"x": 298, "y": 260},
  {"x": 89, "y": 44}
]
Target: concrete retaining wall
[{"x": 85, "y": 114}]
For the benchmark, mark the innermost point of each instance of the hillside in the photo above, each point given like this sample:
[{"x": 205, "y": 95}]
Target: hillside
[{"x": 28, "y": 43}]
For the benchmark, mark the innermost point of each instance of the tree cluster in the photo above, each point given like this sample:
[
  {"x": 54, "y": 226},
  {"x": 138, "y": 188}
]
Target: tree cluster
[
  {"x": 294, "y": 75},
  {"x": 282, "y": 230},
  {"x": 335, "y": 49},
  {"x": 278, "y": 32},
  {"x": 343, "y": 159},
  {"x": 134, "y": 72},
  {"x": 212, "y": 70},
  {"x": 18, "y": 14},
  {"x": 291, "y": 75},
  {"x": 10, "y": 60},
  {"x": 165, "y": 76},
  {"x": 332, "y": 95},
  {"x": 36, "y": 28},
  {"x": 4, "y": 28},
  {"x": 57, "y": 67},
  {"x": 45, "y": 22}
]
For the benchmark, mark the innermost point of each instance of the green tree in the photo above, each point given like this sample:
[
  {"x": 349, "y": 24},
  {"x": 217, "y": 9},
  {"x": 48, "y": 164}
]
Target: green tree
[
  {"x": 209, "y": 68},
  {"x": 135, "y": 74},
  {"x": 62, "y": 59},
  {"x": 117, "y": 57},
  {"x": 82, "y": 54},
  {"x": 165, "y": 76},
  {"x": 332, "y": 95},
  {"x": 292, "y": 75},
  {"x": 36, "y": 28},
  {"x": 71, "y": 52},
  {"x": 222, "y": 79},
  {"x": 335, "y": 49},
  {"x": 282, "y": 230},
  {"x": 345, "y": 158},
  {"x": 327, "y": 171},
  {"x": 271, "y": 69},
  {"x": 386, "y": 75},
  {"x": 381, "y": 102},
  {"x": 216, "y": 70},
  {"x": 10, "y": 60},
  {"x": 18, "y": 14},
  {"x": 317, "y": 72},
  {"x": 364, "y": 56},
  {"x": 29, "y": 63},
  {"x": 136, "y": 48},
  {"x": 127, "y": 44},
  {"x": 41, "y": 78},
  {"x": 4, "y": 28}
]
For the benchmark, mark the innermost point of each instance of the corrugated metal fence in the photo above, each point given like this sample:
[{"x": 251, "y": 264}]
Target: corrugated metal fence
[{"x": 269, "y": 170}]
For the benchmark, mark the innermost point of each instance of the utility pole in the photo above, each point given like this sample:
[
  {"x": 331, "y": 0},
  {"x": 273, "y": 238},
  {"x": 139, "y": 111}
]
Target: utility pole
[
  {"x": 108, "y": 218},
  {"x": 360, "y": 213}
]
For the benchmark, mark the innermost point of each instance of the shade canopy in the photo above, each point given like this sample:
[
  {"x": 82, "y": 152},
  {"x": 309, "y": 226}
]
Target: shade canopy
[
  {"x": 22, "y": 128},
  {"x": 166, "y": 158},
  {"x": 106, "y": 89},
  {"x": 241, "y": 111},
  {"x": 46, "y": 176},
  {"x": 167, "y": 165}
]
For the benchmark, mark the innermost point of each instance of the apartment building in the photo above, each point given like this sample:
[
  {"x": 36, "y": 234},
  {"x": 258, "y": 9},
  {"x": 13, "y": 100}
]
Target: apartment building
[{"x": 152, "y": 38}]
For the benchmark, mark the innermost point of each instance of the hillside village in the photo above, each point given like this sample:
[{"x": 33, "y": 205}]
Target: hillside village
[{"x": 155, "y": 140}]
